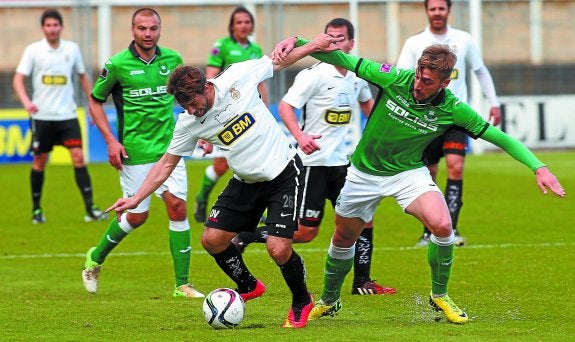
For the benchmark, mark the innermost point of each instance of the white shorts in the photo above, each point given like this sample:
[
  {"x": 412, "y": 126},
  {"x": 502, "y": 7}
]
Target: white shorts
[
  {"x": 363, "y": 192},
  {"x": 132, "y": 177}
]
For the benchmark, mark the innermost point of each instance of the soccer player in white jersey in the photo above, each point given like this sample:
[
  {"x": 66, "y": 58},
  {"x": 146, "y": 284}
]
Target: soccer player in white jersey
[
  {"x": 51, "y": 63},
  {"x": 227, "y": 111},
  {"x": 453, "y": 144},
  {"x": 327, "y": 97}
]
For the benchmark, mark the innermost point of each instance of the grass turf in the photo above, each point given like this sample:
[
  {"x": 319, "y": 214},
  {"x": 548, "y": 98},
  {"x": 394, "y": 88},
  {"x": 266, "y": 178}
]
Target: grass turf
[{"x": 513, "y": 278}]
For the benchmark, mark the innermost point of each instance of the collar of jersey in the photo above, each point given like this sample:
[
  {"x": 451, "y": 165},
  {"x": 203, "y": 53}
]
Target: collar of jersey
[{"x": 135, "y": 53}]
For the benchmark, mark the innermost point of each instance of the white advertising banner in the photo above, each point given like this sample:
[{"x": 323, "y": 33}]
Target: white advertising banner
[{"x": 536, "y": 121}]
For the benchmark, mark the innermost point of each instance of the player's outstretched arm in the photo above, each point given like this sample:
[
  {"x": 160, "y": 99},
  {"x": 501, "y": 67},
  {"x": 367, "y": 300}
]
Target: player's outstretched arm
[
  {"x": 156, "y": 177},
  {"x": 285, "y": 53},
  {"x": 545, "y": 179}
]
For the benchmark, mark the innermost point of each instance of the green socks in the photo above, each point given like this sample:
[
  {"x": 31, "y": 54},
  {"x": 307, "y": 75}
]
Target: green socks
[
  {"x": 112, "y": 237},
  {"x": 180, "y": 248},
  {"x": 440, "y": 259}
]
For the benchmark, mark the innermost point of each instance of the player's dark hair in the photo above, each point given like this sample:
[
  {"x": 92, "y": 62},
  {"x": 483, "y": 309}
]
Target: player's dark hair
[
  {"x": 339, "y": 22},
  {"x": 426, "y": 2},
  {"x": 51, "y": 13},
  {"x": 240, "y": 9},
  {"x": 147, "y": 12},
  {"x": 438, "y": 58},
  {"x": 185, "y": 82}
]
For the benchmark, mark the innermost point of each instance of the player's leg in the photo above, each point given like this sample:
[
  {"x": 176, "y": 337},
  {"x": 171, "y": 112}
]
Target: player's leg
[
  {"x": 174, "y": 192},
  {"x": 211, "y": 175},
  {"x": 131, "y": 178},
  {"x": 235, "y": 210},
  {"x": 431, "y": 156},
  {"x": 42, "y": 142},
  {"x": 429, "y": 207},
  {"x": 455, "y": 146},
  {"x": 282, "y": 196},
  {"x": 357, "y": 202}
]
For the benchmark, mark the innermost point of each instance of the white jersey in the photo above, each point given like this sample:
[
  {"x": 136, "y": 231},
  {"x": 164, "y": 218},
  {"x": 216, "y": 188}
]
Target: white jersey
[
  {"x": 239, "y": 122},
  {"x": 329, "y": 102},
  {"x": 460, "y": 42},
  {"x": 52, "y": 71}
]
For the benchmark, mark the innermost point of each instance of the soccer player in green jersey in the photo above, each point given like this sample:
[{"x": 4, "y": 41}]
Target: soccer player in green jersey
[
  {"x": 137, "y": 79},
  {"x": 413, "y": 108},
  {"x": 237, "y": 47}
]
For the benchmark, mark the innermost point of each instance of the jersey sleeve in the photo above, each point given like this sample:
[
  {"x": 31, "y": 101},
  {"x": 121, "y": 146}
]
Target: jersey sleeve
[
  {"x": 257, "y": 69},
  {"x": 468, "y": 120},
  {"x": 215, "y": 58},
  {"x": 79, "y": 66},
  {"x": 183, "y": 142},
  {"x": 26, "y": 64},
  {"x": 105, "y": 82},
  {"x": 364, "y": 92},
  {"x": 302, "y": 89},
  {"x": 513, "y": 147},
  {"x": 408, "y": 56}
]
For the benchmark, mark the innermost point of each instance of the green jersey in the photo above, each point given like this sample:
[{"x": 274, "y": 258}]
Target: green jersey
[
  {"x": 399, "y": 128},
  {"x": 145, "y": 120},
  {"x": 227, "y": 51}
]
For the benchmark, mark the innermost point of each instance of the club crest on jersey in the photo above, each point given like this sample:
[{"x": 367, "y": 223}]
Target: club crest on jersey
[
  {"x": 385, "y": 68},
  {"x": 235, "y": 94},
  {"x": 104, "y": 73},
  {"x": 430, "y": 116},
  {"x": 333, "y": 117},
  {"x": 164, "y": 71},
  {"x": 236, "y": 128}
]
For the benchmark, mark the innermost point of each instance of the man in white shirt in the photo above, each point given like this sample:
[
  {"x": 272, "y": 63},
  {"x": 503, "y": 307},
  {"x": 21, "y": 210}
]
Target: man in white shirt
[
  {"x": 228, "y": 111},
  {"x": 51, "y": 63},
  {"x": 453, "y": 144}
]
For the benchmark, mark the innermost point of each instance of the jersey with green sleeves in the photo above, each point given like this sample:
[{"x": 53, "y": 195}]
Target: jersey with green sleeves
[
  {"x": 145, "y": 119},
  {"x": 227, "y": 51},
  {"x": 399, "y": 128}
]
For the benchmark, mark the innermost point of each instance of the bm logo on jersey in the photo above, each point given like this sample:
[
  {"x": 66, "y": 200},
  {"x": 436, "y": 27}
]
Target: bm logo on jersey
[
  {"x": 236, "y": 128},
  {"x": 338, "y": 117},
  {"x": 54, "y": 79}
]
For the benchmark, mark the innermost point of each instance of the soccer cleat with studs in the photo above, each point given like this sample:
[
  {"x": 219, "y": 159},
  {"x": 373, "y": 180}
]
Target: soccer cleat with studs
[
  {"x": 90, "y": 273},
  {"x": 258, "y": 291},
  {"x": 297, "y": 318},
  {"x": 446, "y": 305},
  {"x": 372, "y": 288},
  {"x": 322, "y": 309},
  {"x": 95, "y": 214},
  {"x": 200, "y": 212},
  {"x": 38, "y": 216},
  {"x": 187, "y": 291}
]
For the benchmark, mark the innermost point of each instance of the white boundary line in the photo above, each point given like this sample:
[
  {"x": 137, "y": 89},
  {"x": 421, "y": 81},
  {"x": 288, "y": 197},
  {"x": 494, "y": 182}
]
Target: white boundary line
[{"x": 300, "y": 250}]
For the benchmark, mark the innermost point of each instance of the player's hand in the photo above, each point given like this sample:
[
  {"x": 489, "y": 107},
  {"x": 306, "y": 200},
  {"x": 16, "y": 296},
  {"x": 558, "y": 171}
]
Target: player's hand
[
  {"x": 307, "y": 143},
  {"x": 495, "y": 115},
  {"x": 283, "y": 48},
  {"x": 31, "y": 108},
  {"x": 205, "y": 146},
  {"x": 326, "y": 43},
  {"x": 545, "y": 179},
  {"x": 116, "y": 153},
  {"x": 121, "y": 205}
]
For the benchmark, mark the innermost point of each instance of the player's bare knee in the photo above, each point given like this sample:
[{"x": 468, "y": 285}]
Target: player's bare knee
[
  {"x": 137, "y": 219},
  {"x": 279, "y": 249},
  {"x": 441, "y": 228}
]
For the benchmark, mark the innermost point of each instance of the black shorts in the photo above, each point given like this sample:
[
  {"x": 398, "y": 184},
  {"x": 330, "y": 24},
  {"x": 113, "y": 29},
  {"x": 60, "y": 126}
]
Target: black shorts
[
  {"x": 453, "y": 141},
  {"x": 46, "y": 134},
  {"x": 241, "y": 205},
  {"x": 320, "y": 183}
]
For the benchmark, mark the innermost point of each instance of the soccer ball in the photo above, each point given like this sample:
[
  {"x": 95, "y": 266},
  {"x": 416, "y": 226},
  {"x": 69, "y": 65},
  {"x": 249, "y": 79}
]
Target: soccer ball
[{"x": 223, "y": 308}]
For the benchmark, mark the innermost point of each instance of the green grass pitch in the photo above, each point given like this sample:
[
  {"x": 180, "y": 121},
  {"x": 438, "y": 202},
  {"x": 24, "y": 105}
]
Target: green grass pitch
[{"x": 514, "y": 278}]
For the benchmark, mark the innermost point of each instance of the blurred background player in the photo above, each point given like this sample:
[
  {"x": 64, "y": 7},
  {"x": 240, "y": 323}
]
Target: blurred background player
[
  {"x": 52, "y": 63},
  {"x": 145, "y": 126},
  {"x": 327, "y": 96},
  {"x": 453, "y": 144},
  {"x": 237, "y": 47}
]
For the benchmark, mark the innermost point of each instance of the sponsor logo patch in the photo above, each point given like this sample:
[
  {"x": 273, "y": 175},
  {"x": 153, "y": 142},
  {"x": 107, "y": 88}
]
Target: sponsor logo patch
[
  {"x": 385, "y": 68},
  {"x": 338, "y": 117},
  {"x": 54, "y": 79},
  {"x": 236, "y": 128}
]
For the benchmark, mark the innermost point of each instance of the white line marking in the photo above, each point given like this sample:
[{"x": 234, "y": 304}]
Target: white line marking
[{"x": 300, "y": 250}]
